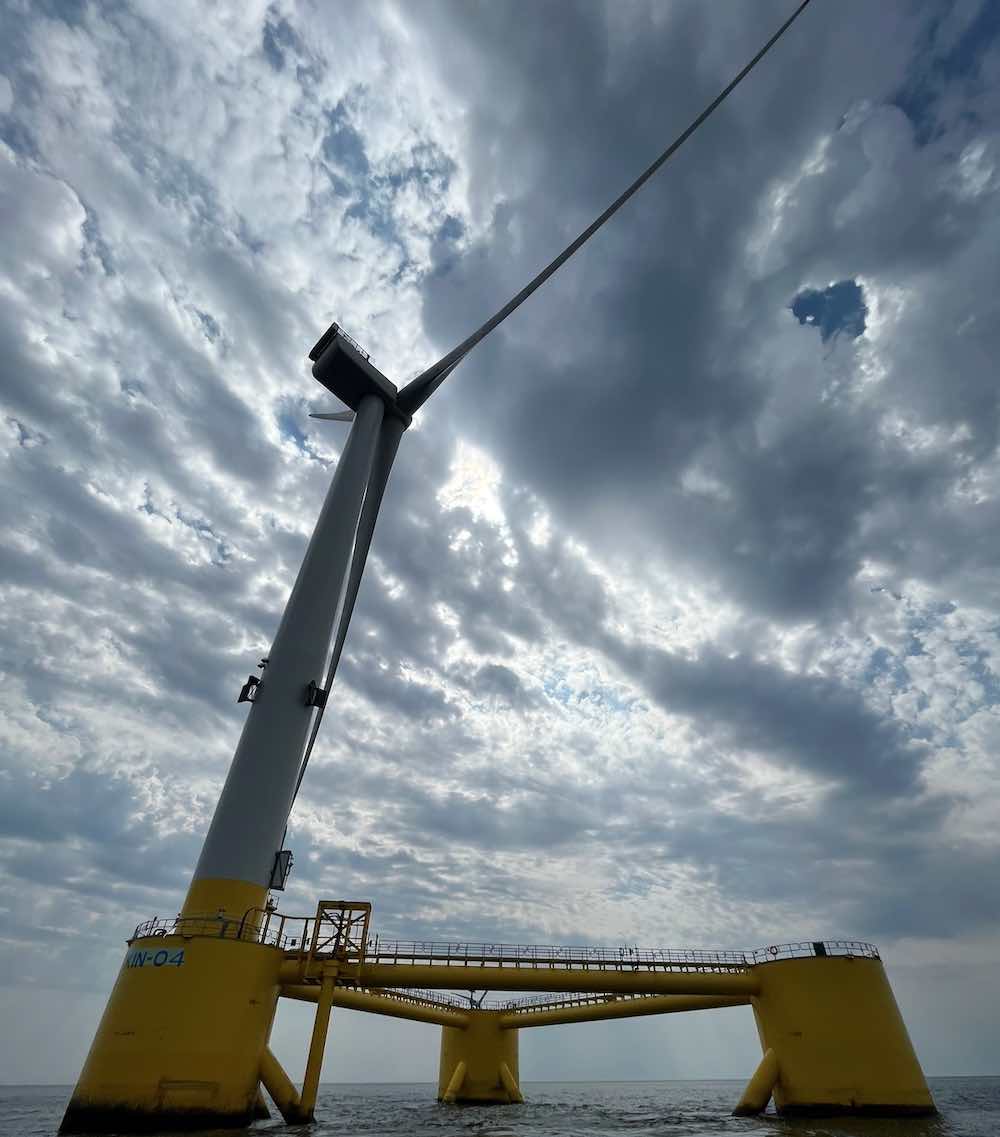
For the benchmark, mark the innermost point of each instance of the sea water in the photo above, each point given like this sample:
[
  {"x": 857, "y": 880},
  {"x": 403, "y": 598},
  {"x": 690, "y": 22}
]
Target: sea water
[{"x": 969, "y": 1107}]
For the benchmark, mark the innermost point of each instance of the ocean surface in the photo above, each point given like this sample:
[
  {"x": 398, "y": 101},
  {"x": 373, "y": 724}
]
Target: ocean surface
[{"x": 970, "y": 1107}]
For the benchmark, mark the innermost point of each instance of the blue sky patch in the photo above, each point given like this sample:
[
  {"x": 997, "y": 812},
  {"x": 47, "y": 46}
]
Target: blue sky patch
[
  {"x": 344, "y": 146},
  {"x": 279, "y": 41},
  {"x": 290, "y": 429},
  {"x": 838, "y": 308}
]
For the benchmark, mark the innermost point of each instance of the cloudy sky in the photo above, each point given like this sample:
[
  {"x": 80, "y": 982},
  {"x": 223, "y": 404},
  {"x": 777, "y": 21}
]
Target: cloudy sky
[{"x": 681, "y": 624}]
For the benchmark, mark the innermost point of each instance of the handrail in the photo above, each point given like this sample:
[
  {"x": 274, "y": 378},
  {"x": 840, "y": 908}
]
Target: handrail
[
  {"x": 558, "y": 1002},
  {"x": 351, "y": 340},
  {"x": 227, "y": 927},
  {"x": 421, "y": 997},
  {"x": 298, "y": 934},
  {"x": 445, "y": 954}
]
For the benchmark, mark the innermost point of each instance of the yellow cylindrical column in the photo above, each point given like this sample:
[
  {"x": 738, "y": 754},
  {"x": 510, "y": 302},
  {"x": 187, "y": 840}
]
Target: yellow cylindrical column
[
  {"x": 180, "y": 1042},
  {"x": 840, "y": 1042},
  {"x": 317, "y": 1047},
  {"x": 489, "y": 1055}
]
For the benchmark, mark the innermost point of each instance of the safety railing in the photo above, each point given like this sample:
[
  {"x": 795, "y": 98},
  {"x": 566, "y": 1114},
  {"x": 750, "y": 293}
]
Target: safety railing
[
  {"x": 303, "y": 935},
  {"x": 550, "y": 1002},
  {"x": 352, "y": 341},
  {"x": 423, "y": 998},
  {"x": 558, "y": 1002},
  {"x": 339, "y": 930},
  {"x": 550, "y": 957},
  {"x": 463, "y": 1002},
  {"x": 290, "y": 933},
  {"x": 856, "y": 949}
]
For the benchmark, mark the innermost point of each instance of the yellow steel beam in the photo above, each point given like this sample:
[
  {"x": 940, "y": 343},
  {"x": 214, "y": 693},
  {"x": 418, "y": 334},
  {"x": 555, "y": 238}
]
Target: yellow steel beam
[
  {"x": 378, "y": 1004},
  {"x": 619, "y": 1009},
  {"x": 556, "y": 979}
]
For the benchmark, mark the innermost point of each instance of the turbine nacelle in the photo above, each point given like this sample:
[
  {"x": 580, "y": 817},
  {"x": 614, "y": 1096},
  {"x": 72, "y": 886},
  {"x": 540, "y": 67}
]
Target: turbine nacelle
[{"x": 346, "y": 370}]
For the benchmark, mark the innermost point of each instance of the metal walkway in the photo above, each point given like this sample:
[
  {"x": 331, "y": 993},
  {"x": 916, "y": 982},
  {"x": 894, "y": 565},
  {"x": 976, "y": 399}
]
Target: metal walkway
[
  {"x": 339, "y": 932},
  {"x": 454, "y": 1000},
  {"x": 555, "y": 957}
]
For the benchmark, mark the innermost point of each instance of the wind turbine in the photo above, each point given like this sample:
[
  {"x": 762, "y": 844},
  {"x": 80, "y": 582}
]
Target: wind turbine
[
  {"x": 244, "y": 842},
  {"x": 186, "y": 1048}
]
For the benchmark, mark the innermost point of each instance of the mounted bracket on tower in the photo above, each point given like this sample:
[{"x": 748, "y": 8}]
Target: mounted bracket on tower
[
  {"x": 283, "y": 861},
  {"x": 248, "y": 692},
  {"x": 316, "y": 695}
]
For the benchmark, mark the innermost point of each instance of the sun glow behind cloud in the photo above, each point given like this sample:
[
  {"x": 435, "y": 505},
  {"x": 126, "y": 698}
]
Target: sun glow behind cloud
[{"x": 473, "y": 484}]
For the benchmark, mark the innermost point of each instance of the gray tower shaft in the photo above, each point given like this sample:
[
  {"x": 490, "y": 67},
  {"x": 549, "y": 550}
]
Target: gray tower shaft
[{"x": 252, "y": 813}]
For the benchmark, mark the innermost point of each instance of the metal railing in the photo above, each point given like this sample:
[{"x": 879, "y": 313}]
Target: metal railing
[
  {"x": 455, "y": 1001},
  {"x": 422, "y": 998},
  {"x": 339, "y": 930},
  {"x": 289, "y": 933},
  {"x": 299, "y": 935},
  {"x": 352, "y": 341},
  {"x": 558, "y": 1002},
  {"x": 854, "y": 949},
  {"x": 554, "y": 957}
]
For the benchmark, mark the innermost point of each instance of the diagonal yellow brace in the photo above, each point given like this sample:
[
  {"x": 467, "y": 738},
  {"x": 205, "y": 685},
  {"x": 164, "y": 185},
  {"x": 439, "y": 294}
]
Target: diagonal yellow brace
[
  {"x": 510, "y": 1084},
  {"x": 455, "y": 1083},
  {"x": 758, "y": 1092},
  {"x": 279, "y": 1086}
]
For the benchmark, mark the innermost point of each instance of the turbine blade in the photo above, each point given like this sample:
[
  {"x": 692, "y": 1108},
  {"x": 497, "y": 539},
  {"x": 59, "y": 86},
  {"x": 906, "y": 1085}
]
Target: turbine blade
[
  {"x": 417, "y": 392},
  {"x": 335, "y": 416},
  {"x": 390, "y": 433}
]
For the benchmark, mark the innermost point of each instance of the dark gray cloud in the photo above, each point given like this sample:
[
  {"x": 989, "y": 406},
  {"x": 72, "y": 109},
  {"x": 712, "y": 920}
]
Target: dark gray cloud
[
  {"x": 814, "y": 722},
  {"x": 646, "y": 360}
]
